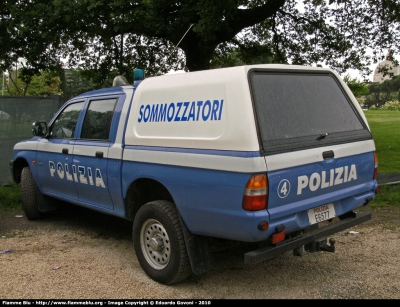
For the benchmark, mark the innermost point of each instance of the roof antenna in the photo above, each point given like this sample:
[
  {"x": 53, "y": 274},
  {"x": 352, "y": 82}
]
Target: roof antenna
[{"x": 162, "y": 66}]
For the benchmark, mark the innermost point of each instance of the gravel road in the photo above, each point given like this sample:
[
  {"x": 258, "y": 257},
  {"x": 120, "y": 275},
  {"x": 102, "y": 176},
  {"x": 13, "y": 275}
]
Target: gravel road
[{"x": 75, "y": 253}]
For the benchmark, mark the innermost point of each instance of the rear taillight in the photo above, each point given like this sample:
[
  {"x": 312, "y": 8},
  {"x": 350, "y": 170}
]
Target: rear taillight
[
  {"x": 376, "y": 165},
  {"x": 377, "y": 190},
  {"x": 255, "y": 194}
]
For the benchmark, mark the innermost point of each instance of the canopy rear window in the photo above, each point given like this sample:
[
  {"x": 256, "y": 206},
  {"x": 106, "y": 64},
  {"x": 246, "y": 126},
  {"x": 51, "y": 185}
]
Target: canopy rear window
[{"x": 298, "y": 110}]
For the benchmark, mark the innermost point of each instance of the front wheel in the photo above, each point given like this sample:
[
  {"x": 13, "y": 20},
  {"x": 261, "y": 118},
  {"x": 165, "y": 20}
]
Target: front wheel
[
  {"x": 159, "y": 242},
  {"x": 29, "y": 195}
]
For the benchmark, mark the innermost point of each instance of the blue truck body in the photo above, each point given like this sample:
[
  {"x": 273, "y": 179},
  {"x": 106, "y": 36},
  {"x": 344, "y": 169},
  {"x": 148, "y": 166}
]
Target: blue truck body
[{"x": 201, "y": 151}]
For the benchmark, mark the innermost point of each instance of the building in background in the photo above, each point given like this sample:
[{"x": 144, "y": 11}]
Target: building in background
[{"x": 392, "y": 71}]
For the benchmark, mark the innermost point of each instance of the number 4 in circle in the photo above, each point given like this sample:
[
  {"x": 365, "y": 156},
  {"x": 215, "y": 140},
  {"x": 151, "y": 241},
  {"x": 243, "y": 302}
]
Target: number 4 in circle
[{"x": 283, "y": 188}]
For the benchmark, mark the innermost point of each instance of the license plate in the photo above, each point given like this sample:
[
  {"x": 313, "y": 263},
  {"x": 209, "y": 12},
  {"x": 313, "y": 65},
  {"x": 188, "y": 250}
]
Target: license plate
[{"x": 321, "y": 213}]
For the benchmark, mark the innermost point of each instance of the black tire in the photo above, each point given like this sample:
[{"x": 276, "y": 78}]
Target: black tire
[
  {"x": 159, "y": 243},
  {"x": 29, "y": 193}
]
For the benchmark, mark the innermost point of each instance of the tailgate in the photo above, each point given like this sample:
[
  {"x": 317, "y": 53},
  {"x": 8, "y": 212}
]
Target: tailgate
[
  {"x": 343, "y": 182},
  {"x": 317, "y": 145}
]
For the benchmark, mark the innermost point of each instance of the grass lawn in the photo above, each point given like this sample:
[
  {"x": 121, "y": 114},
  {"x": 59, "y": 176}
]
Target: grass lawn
[
  {"x": 385, "y": 128},
  {"x": 389, "y": 196},
  {"x": 10, "y": 197}
]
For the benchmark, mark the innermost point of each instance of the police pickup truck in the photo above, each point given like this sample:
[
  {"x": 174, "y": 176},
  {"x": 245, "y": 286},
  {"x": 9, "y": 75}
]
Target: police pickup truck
[{"x": 279, "y": 156}]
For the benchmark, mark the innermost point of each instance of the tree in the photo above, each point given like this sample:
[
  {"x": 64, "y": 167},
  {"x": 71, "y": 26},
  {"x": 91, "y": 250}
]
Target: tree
[
  {"x": 381, "y": 93},
  {"x": 46, "y": 83},
  {"x": 75, "y": 83},
  {"x": 358, "y": 88},
  {"x": 109, "y": 35}
]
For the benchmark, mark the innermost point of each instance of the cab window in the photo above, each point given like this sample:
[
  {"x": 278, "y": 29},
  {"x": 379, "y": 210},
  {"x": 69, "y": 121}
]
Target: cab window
[
  {"x": 65, "y": 124},
  {"x": 97, "y": 122}
]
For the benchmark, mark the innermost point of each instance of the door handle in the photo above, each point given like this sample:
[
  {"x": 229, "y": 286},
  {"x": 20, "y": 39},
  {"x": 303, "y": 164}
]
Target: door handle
[
  {"x": 65, "y": 150},
  {"x": 99, "y": 154},
  {"x": 328, "y": 154}
]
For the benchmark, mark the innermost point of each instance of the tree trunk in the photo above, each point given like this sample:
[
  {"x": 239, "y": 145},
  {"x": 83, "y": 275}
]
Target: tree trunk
[{"x": 198, "y": 53}]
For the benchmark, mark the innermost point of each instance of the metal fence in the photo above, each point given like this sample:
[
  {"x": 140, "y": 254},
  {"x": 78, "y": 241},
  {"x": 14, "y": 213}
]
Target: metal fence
[{"x": 16, "y": 117}]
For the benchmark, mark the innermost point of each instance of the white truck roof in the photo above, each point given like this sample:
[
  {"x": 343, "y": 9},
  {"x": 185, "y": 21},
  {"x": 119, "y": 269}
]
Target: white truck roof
[{"x": 209, "y": 109}]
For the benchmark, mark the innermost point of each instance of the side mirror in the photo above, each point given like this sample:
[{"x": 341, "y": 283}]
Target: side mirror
[{"x": 39, "y": 129}]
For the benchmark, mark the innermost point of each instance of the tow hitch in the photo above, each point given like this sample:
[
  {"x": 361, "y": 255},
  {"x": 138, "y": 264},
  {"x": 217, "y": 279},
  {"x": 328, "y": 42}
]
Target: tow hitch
[
  {"x": 316, "y": 246},
  {"x": 321, "y": 245}
]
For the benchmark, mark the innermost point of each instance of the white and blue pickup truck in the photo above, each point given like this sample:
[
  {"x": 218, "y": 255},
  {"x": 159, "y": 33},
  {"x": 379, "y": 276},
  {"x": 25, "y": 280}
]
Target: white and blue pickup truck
[{"x": 279, "y": 156}]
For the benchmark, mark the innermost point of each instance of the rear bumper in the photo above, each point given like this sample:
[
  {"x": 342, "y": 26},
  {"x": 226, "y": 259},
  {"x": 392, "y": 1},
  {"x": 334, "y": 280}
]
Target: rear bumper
[{"x": 296, "y": 242}]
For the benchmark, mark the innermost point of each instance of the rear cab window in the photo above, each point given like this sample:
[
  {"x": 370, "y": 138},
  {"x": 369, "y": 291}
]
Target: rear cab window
[
  {"x": 98, "y": 117},
  {"x": 297, "y": 110}
]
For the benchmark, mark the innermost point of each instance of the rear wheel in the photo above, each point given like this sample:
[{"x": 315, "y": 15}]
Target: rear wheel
[{"x": 159, "y": 242}]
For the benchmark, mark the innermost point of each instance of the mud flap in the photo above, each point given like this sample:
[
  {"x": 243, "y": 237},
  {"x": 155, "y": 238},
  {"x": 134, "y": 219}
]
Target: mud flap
[
  {"x": 199, "y": 251},
  {"x": 45, "y": 203}
]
